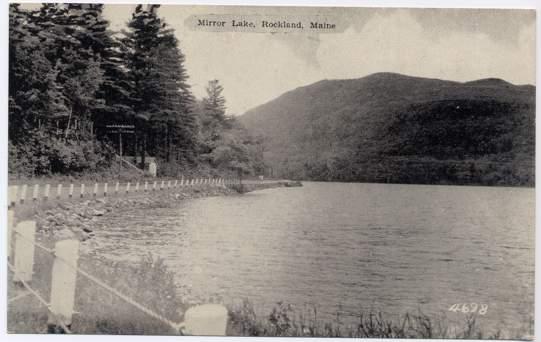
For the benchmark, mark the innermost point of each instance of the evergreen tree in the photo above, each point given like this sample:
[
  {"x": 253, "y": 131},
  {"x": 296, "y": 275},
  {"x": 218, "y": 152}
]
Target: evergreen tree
[
  {"x": 162, "y": 99},
  {"x": 212, "y": 116}
]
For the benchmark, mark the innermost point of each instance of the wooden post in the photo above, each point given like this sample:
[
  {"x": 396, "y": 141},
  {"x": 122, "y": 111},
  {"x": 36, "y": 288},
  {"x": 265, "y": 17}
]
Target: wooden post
[
  {"x": 205, "y": 320},
  {"x": 182, "y": 181},
  {"x": 176, "y": 182},
  {"x": 11, "y": 218},
  {"x": 63, "y": 283},
  {"x": 82, "y": 190},
  {"x": 168, "y": 184},
  {"x": 71, "y": 191},
  {"x": 128, "y": 187},
  {"x": 22, "y": 198},
  {"x": 95, "y": 192},
  {"x": 35, "y": 193},
  {"x": 154, "y": 186},
  {"x": 146, "y": 186},
  {"x": 105, "y": 190},
  {"x": 58, "y": 191},
  {"x": 136, "y": 186},
  {"x": 25, "y": 235},
  {"x": 46, "y": 192},
  {"x": 116, "y": 188},
  {"x": 12, "y": 194}
]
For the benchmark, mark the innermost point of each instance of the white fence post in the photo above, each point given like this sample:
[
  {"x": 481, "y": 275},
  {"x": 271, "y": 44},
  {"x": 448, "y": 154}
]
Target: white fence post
[
  {"x": 11, "y": 221},
  {"x": 46, "y": 192},
  {"x": 105, "y": 190},
  {"x": 162, "y": 185},
  {"x": 58, "y": 191},
  {"x": 25, "y": 235},
  {"x": 12, "y": 194},
  {"x": 136, "y": 186},
  {"x": 146, "y": 186},
  {"x": 82, "y": 190},
  {"x": 71, "y": 191},
  {"x": 116, "y": 188},
  {"x": 128, "y": 187},
  {"x": 182, "y": 181},
  {"x": 22, "y": 197},
  {"x": 95, "y": 192},
  {"x": 35, "y": 193},
  {"x": 176, "y": 182},
  {"x": 154, "y": 186},
  {"x": 63, "y": 282},
  {"x": 205, "y": 320},
  {"x": 168, "y": 184}
]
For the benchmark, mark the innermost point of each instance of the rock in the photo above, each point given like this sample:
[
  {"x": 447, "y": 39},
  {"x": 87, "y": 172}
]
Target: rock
[
  {"x": 98, "y": 212},
  {"x": 64, "y": 234}
]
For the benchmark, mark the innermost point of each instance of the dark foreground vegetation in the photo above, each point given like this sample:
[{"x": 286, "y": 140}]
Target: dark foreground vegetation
[
  {"x": 70, "y": 77},
  {"x": 149, "y": 282},
  {"x": 394, "y": 128}
]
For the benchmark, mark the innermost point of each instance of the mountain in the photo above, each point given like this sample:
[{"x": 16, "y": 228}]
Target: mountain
[{"x": 388, "y": 127}]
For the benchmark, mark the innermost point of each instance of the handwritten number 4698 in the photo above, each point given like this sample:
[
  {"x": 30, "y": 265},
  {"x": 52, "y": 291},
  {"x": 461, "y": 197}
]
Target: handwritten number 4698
[{"x": 481, "y": 309}]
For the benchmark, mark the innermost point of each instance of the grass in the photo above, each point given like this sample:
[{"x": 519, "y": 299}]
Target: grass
[{"x": 285, "y": 322}]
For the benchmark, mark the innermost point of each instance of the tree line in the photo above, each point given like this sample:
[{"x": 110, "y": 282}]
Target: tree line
[{"x": 70, "y": 76}]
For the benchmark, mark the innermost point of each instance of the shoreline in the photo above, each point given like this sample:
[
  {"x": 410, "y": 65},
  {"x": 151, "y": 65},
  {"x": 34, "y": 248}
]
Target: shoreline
[{"x": 78, "y": 218}]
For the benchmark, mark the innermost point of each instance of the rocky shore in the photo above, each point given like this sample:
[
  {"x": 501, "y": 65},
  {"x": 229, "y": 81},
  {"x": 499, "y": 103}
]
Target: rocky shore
[{"x": 80, "y": 218}]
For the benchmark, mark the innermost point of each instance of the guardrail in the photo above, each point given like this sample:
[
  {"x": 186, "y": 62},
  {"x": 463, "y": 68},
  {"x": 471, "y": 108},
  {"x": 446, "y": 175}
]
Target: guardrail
[
  {"x": 25, "y": 194},
  {"x": 207, "y": 319}
]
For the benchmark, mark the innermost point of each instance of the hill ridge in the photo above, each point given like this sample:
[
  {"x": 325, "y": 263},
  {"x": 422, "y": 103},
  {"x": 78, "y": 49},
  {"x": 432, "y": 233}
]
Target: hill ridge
[{"x": 392, "y": 127}]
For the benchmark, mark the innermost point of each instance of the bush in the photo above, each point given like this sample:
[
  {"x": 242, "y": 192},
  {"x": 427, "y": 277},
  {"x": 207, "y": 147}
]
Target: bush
[{"x": 46, "y": 154}]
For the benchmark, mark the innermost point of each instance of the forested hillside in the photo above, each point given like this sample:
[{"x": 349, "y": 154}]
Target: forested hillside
[
  {"x": 70, "y": 77},
  {"x": 394, "y": 128}
]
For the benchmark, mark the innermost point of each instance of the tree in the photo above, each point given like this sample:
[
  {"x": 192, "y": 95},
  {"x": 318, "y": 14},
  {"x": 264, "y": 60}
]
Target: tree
[{"x": 161, "y": 95}]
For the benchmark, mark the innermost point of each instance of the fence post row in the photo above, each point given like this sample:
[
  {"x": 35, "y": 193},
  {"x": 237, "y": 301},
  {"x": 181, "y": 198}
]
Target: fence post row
[
  {"x": 17, "y": 194},
  {"x": 206, "y": 319}
]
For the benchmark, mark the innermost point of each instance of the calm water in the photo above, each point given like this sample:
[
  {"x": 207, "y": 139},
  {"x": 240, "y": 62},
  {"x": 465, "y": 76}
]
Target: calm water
[{"x": 347, "y": 248}]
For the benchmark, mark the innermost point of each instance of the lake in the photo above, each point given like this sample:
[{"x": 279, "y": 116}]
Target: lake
[{"x": 347, "y": 247}]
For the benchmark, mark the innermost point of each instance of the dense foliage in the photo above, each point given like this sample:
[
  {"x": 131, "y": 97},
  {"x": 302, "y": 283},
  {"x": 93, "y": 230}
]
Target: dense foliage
[
  {"x": 394, "y": 128},
  {"x": 70, "y": 77}
]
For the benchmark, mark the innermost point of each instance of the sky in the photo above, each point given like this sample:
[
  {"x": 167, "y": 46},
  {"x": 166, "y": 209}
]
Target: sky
[{"x": 254, "y": 68}]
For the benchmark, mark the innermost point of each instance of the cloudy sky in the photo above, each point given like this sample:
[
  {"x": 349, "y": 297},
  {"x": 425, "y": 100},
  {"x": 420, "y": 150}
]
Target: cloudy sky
[{"x": 454, "y": 44}]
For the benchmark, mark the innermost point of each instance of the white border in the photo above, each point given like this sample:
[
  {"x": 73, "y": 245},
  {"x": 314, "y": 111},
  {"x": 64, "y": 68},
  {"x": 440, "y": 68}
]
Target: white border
[{"x": 531, "y": 4}]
